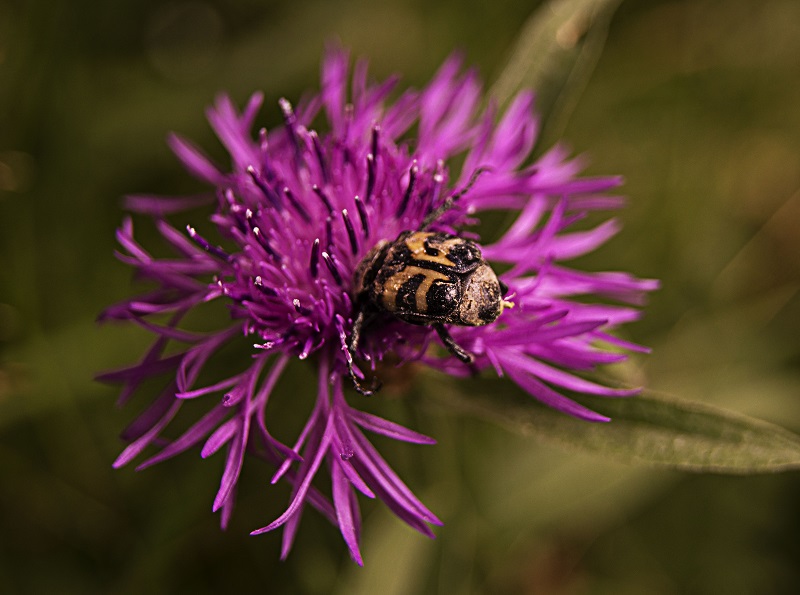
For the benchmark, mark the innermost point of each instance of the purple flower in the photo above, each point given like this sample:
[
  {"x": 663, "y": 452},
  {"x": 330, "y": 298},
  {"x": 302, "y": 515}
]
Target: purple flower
[{"x": 296, "y": 214}]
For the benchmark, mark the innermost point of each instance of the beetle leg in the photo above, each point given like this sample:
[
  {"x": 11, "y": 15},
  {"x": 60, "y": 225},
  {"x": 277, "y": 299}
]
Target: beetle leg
[
  {"x": 451, "y": 344},
  {"x": 350, "y": 352}
]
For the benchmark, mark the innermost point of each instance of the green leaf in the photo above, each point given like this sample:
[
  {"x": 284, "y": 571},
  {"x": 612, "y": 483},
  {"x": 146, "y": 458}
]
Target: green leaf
[
  {"x": 646, "y": 429},
  {"x": 555, "y": 54}
]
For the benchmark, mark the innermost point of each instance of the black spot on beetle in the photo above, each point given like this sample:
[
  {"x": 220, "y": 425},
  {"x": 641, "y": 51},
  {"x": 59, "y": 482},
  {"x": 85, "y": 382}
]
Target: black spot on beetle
[
  {"x": 442, "y": 298},
  {"x": 407, "y": 294},
  {"x": 464, "y": 254}
]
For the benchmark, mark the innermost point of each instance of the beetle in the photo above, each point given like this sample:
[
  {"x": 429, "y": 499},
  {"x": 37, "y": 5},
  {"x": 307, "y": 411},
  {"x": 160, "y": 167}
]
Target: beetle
[{"x": 426, "y": 278}]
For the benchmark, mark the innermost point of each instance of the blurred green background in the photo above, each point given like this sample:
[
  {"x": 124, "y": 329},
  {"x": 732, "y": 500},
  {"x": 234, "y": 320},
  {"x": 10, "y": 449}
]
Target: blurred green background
[{"x": 696, "y": 103}]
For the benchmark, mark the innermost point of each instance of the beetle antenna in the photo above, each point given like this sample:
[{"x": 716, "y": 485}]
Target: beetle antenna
[{"x": 450, "y": 200}]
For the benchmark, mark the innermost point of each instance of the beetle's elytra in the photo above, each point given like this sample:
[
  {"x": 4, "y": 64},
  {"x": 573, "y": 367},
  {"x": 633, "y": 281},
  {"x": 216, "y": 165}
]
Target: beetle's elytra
[{"x": 428, "y": 278}]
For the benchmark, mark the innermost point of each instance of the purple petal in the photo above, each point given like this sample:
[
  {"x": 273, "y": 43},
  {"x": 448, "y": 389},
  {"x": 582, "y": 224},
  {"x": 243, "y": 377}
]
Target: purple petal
[
  {"x": 523, "y": 334},
  {"x": 125, "y": 238},
  {"x": 334, "y": 80},
  {"x": 223, "y": 384},
  {"x": 143, "y": 441},
  {"x": 154, "y": 412},
  {"x": 513, "y": 140},
  {"x": 193, "y": 159},
  {"x": 307, "y": 430},
  {"x": 227, "y": 509},
  {"x": 290, "y": 531},
  {"x": 574, "y": 383},
  {"x": 246, "y": 388},
  {"x": 387, "y": 481},
  {"x": 180, "y": 241},
  {"x": 197, "y": 356},
  {"x": 236, "y": 137},
  {"x": 346, "y": 516},
  {"x": 189, "y": 438},
  {"x": 233, "y": 463},
  {"x": 145, "y": 369},
  {"x": 302, "y": 488},
  {"x": 342, "y": 444},
  {"x": 169, "y": 333},
  {"x": 387, "y": 428},
  {"x": 159, "y": 206},
  {"x": 220, "y": 437},
  {"x": 251, "y": 110},
  {"x": 568, "y": 246},
  {"x": 515, "y": 365},
  {"x": 621, "y": 343}
]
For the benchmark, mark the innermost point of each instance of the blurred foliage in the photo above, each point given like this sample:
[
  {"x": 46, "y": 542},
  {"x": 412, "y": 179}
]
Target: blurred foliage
[{"x": 694, "y": 101}]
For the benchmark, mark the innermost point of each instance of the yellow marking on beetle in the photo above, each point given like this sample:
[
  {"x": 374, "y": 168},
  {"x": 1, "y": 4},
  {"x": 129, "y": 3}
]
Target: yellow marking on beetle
[
  {"x": 396, "y": 281},
  {"x": 416, "y": 243}
]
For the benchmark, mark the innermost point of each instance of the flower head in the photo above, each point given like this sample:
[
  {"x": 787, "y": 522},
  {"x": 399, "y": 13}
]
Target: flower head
[{"x": 296, "y": 214}]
